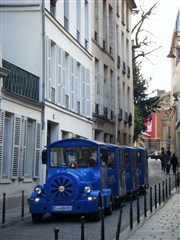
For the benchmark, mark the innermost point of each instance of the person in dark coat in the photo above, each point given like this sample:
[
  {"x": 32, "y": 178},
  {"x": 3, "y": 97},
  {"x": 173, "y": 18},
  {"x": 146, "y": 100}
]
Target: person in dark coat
[
  {"x": 163, "y": 159},
  {"x": 174, "y": 162},
  {"x": 168, "y": 162}
]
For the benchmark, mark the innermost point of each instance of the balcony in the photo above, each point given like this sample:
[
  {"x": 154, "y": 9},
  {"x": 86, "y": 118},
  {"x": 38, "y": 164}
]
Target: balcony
[
  {"x": 112, "y": 115},
  {"x": 128, "y": 71},
  {"x": 118, "y": 61},
  {"x": 95, "y": 36},
  {"x": 120, "y": 114},
  {"x": 124, "y": 67},
  {"x": 126, "y": 118},
  {"x": 105, "y": 112},
  {"x": 21, "y": 82}
]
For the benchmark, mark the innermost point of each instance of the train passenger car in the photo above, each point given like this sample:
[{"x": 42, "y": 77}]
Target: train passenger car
[
  {"x": 143, "y": 169},
  {"x": 77, "y": 180},
  {"x": 116, "y": 172},
  {"x": 131, "y": 169}
]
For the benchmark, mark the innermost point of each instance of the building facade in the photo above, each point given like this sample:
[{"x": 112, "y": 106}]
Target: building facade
[
  {"x": 174, "y": 55},
  {"x": 113, "y": 111},
  {"x": 62, "y": 80}
]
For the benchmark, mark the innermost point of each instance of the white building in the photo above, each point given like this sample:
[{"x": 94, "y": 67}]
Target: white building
[{"x": 47, "y": 95}]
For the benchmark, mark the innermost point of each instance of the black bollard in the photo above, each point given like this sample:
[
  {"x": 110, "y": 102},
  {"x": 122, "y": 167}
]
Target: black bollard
[
  {"x": 166, "y": 188},
  {"x": 145, "y": 205},
  {"x": 159, "y": 193},
  {"x": 131, "y": 212},
  {"x": 169, "y": 186},
  {"x": 163, "y": 191},
  {"x": 150, "y": 199},
  {"x": 56, "y": 231},
  {"x": 102, "y": 224},
  {"x": 155, "y": 196},
  {"x": 82, "y": 227},
  {"x": 22, "y": 205},
  {"x": 177, "y": 178},
  {"x": 119, "y": 222},
  {"x": 138, "y": 209},
  {"x": 4, "y": 208}
]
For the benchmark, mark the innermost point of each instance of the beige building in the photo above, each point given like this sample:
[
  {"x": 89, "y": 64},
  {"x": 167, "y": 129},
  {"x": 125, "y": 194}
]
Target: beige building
[{"x": 112, "y": 100}]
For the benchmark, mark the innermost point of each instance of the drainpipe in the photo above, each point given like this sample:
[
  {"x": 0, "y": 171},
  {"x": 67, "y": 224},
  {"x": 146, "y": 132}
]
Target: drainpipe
[
  {"x": 115, "y": 75},
  {"x": 42, "y": 171}
]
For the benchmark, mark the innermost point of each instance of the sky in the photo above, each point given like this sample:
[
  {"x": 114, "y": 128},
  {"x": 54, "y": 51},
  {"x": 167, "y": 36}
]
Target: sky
[{"x": 161, "y": 25}]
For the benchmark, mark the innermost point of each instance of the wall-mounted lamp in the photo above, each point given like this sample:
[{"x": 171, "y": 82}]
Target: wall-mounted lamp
[
  {"x": 175, "y": 95},
  {"x": 171, "y": 54},
  {"x": 176, "y": 99}
]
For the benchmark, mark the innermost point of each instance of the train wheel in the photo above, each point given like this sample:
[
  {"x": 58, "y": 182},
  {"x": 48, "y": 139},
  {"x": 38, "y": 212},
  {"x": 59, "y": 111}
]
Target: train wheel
[
  {"x": 110, "y": 208},
  {"x": 97, "y": 215},
  {"x": 37, "y": 217}
]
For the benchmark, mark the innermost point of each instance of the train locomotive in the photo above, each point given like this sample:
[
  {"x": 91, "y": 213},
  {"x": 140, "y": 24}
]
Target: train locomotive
[
  {"x": 75, "y": 183},
  {"x": 83, "y": 176}
]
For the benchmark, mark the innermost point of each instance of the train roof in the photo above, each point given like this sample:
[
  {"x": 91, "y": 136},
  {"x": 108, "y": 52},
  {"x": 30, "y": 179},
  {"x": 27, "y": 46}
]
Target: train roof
[{"x": 67, "y": 142}]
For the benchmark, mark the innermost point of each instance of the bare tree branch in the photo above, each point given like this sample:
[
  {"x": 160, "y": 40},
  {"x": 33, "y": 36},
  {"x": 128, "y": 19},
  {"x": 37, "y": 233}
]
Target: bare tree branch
[{"x": 142, "y": 42}]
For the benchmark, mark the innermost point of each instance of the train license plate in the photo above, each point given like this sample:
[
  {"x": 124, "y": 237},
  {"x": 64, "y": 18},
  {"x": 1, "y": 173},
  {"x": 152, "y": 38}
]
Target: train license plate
[{"x": 62, "y": 208}]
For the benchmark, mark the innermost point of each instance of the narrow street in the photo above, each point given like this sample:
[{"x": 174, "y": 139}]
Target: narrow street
[{"x": 70, "y": 226}]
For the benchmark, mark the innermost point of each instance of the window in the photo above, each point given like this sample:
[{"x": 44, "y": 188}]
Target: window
[
  {"x": 7, "y": 145},
  {"x": 66, "y": 15},
  {"x": 53, "y": 7},
  {"x": 19, "y": 147}
]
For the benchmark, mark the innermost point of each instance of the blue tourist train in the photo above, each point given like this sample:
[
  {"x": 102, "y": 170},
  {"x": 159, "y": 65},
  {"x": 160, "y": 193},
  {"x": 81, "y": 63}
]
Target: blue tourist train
[{"x": 84, "y": 177}]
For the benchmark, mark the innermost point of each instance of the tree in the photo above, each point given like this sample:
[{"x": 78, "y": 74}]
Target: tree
[{"x": 144, "y": 105}]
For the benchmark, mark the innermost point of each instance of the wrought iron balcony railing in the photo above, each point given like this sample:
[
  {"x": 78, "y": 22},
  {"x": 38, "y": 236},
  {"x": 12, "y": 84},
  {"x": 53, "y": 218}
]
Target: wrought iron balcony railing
[{"x": 21, "y": 82}]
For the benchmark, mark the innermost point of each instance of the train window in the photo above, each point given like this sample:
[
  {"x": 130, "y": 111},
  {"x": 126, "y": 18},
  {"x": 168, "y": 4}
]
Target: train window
[
  {"x": 88, "y": 157},
  {"x": 136, "y": 159},
  {"x": 80, "y": 156},
  {"x": 111, "y": 163},
  {"x": 56, "y": 157},
  {"x": 127, "y": 160},
  {"x": 103, "y": 157},
  {"x": 139, "y": 159}
]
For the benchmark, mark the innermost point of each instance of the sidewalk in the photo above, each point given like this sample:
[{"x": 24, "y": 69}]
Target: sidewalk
[
  {"x": 163, "y": 223},
  {"x": 13, "y": 216}
]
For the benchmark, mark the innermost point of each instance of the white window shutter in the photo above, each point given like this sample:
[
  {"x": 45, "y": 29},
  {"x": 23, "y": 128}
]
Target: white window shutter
[
  {"x": 88, "y": 94},
  {"x": 78, "y": 79},
  {"x": 48, "y": 68},
  {"x": 72, "y": 84},
  {"x": 24, "y": 148},
  {"x": 16, "y": 147},
  {"x": 37, "y": 150},
  {"x": 59, "y": 76},
  {"x": 83, "y": 91},
  {"x": 2, "y": 121},
  {"x": 63, "y": 79}
]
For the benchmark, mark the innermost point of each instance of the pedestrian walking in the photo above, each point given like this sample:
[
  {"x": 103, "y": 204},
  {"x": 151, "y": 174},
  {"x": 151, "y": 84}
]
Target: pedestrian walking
[
  {"x": 168, "y": 162},
  {"x": 169, "y": 143},
  {"x": 163, "y": 159},
  {"x": 174, "y": 162}
]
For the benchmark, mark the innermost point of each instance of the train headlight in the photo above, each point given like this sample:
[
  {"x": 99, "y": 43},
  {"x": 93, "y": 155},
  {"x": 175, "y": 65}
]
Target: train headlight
[
  {"x": 87, "y": 189},
  {"x": 38, "y": 189}
]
